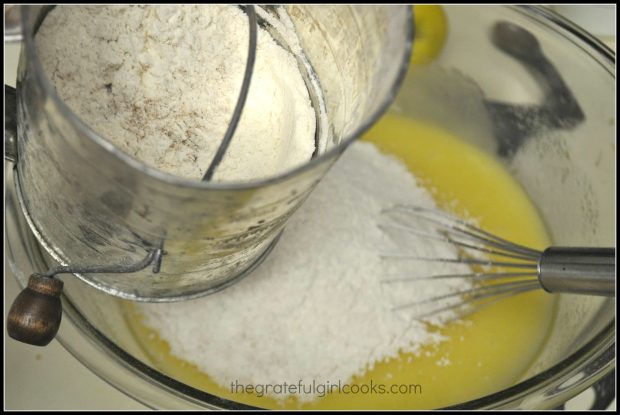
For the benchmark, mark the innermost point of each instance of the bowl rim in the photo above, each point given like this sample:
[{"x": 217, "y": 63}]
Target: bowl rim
[
  {"x": 599, "y": 351},
  {"x": 549, "y": 378}
]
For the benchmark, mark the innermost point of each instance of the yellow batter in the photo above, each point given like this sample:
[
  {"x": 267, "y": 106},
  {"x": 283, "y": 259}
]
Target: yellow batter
[{"x": 486, "y": 355}]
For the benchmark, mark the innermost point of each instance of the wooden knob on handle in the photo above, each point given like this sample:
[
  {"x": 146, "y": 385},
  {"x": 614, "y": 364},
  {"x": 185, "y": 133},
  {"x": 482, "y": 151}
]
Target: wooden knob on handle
[{"x": 34, "y": 317}]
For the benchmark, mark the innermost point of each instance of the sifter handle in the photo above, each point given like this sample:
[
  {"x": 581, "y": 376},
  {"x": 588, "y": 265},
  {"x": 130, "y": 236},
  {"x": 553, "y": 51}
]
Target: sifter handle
[
  {"x": 34, "y": 318},
  {"x": 578, "y": 270}
]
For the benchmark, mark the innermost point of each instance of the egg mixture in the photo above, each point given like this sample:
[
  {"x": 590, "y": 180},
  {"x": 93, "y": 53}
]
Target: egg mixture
[{"x": 485, "y": 353}]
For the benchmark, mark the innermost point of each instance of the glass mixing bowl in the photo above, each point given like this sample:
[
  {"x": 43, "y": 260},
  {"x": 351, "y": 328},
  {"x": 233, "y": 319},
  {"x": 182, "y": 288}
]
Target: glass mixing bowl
[{"x": 509, "y": 105}]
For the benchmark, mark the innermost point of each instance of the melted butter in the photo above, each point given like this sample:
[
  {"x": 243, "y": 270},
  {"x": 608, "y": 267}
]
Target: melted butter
[{"x": 487, "y": 353}]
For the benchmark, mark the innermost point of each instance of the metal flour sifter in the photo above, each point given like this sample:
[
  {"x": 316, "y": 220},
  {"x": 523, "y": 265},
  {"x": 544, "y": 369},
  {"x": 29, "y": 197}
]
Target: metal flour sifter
[{"x": 137, "y": 233}]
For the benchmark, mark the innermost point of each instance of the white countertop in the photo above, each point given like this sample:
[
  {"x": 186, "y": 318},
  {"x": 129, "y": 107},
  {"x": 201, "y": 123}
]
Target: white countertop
[{"x": 50, "y": 378}]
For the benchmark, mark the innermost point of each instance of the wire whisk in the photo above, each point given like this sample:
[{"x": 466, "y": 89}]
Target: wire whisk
[{"x": 490, "y": 268}]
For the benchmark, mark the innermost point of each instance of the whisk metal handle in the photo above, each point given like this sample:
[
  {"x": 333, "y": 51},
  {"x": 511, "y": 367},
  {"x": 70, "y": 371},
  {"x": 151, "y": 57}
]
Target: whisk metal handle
[{"x": 578, "y": 270}]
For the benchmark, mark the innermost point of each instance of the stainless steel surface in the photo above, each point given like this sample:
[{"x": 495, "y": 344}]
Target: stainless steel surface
[
  {"x": 514, "y": 124},
  {"x": 92, "y": 204},
  {"x": 12, "y": 26},
  {"x": 578, "y": 270},
  {"x": 507, "y": 268},
  {"x": 10, "y": 124}
]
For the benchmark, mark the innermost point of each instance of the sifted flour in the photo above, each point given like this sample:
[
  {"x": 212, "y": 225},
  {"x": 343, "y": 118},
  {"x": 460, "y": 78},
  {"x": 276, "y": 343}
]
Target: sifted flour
[
  {"x": 316, "y": 309},
  {"x": 161, "y": 83}
]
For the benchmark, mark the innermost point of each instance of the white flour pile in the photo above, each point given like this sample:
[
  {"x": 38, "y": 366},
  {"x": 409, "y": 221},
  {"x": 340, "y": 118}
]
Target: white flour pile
[
  {"x": 161, "y": 83},
  {"x": 316, "y": 309}
]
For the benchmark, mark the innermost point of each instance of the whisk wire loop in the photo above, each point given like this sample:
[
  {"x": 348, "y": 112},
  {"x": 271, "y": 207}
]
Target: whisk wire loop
[{"x": 499, "y": 268}]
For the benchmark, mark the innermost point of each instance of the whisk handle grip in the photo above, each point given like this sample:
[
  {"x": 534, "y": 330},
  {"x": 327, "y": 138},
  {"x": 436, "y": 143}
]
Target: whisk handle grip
[{"x": 578, "y": 270}]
